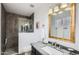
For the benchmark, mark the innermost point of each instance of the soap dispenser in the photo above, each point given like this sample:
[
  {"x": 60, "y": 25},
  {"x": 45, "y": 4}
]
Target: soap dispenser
[{"x": 44, "y": 37}]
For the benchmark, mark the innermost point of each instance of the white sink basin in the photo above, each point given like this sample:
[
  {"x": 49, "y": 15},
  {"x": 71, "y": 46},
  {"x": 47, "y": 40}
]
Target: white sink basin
[{"x": 51, "y": 51}]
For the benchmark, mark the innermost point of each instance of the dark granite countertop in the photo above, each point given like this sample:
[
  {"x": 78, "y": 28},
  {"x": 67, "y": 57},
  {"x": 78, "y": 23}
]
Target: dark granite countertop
[{"x": 39, "y": 45}]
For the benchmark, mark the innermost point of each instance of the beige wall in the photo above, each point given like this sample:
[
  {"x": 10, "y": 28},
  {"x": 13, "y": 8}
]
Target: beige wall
[{"x": 3, "y": 28}]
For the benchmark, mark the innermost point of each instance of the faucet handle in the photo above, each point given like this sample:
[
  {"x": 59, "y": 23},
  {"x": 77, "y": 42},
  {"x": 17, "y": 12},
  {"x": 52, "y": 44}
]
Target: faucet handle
[{"x": 54, "y": 44}]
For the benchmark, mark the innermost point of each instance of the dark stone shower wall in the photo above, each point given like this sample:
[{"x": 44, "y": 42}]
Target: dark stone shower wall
[
  {"x": 32, "y": 18},
  {"x": 12, "y": 31},
  {"x": 3, "y": 28}
]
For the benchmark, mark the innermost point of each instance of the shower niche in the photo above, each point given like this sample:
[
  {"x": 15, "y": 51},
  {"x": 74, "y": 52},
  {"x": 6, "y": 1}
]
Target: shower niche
[{"x": 25, "y": 25}]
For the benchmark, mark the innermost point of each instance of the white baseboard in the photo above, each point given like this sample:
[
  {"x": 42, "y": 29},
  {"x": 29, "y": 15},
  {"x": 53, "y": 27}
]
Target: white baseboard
[{"x": 26, "y": 49}]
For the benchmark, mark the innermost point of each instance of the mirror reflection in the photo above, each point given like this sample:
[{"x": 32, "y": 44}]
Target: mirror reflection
[{"x": 61, "y": 22}]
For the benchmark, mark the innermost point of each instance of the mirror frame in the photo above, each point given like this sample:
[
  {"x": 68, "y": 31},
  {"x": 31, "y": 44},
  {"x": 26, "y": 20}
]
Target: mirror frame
[{"x": 72, "y": 25}]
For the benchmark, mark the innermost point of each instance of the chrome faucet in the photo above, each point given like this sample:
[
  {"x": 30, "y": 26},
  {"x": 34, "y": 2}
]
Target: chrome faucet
[{"x": 54, "y": 44}]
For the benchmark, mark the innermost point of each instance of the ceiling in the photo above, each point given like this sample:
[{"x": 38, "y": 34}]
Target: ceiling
[{"x": 25, "y": 8}]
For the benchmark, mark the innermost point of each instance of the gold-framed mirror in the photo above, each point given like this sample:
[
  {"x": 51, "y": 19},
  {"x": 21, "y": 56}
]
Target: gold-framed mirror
[{"x": 62, "y": 22}]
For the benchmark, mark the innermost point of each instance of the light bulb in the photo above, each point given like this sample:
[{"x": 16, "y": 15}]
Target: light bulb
[
  {"x": 60, "y": 12},
  {"x": 63, "y": 5},
  {"x": 50, "y": 11},
  {"x": 56, "y": 9}
]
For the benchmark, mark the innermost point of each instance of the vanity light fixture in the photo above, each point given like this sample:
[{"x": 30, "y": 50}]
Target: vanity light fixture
[
  {"x": 60, "y": 12},
  {"x": 56, "y": 9},
  {"x": 50, "y": 11}
]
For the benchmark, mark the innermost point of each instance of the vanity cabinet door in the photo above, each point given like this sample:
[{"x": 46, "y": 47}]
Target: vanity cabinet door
[
  {"x": 33, "y": 52},
  {"x": 38, "y": 53}
]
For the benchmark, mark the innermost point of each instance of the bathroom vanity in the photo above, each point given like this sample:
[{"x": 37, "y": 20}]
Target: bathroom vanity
[{"x": 40, "y": 48}]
